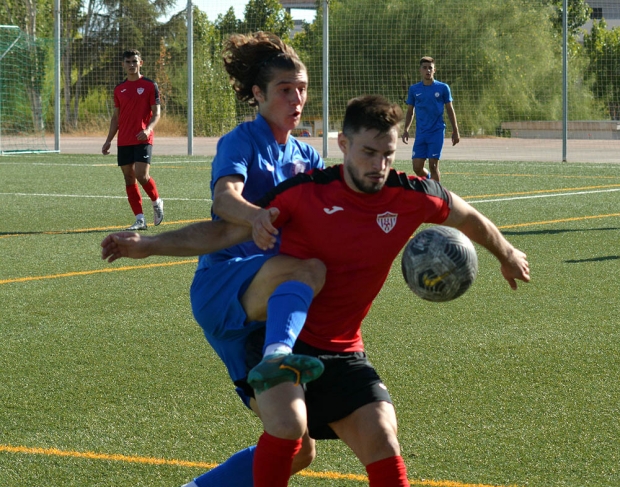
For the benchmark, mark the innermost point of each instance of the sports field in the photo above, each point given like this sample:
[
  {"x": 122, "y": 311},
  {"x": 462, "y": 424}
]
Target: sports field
[{"x": 105, "y": 379}]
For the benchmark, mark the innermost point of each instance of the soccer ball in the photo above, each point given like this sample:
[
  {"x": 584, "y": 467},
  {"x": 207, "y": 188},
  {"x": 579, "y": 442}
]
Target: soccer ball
[{"x": 439, "y": 264}]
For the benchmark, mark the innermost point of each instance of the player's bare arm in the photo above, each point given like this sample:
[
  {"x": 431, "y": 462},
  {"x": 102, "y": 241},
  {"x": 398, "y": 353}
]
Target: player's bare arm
[
  {"x": 196, "y": 239},
  {"x": 105, "y": 150},
  {"x": 230, "y": 205},
  {"x": 408, "y": 120},
  {"x": 144, "y": 134},
  {"x": 480, "y": 229},
  {"x": 456, "y": 137}
]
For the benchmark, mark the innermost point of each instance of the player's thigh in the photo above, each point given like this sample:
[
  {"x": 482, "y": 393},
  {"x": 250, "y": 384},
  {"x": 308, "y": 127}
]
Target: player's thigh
[
  {"x": 274, "y": 272},
  {"x": 370, "y": 432}
]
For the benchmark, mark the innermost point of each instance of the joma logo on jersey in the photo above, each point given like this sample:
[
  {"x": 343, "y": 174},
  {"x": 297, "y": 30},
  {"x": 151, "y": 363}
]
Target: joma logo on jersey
[
  {"x": 140, "y": 91},
  {"x": 387, "y": 221}
]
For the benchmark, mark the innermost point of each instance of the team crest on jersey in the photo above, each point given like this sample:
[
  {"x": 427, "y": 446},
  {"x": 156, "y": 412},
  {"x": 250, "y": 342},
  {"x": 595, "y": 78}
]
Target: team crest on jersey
[
  {"x": 436, "y": 95},
  {"x": 387, "y": 221},
  {"x": 140, "y": 91}
]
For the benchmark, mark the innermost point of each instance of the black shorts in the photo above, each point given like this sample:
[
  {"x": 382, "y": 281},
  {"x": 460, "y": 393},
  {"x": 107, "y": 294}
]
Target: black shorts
[
  {"x": 128, "y": 154},
  {"x": 348, "y": 383}
]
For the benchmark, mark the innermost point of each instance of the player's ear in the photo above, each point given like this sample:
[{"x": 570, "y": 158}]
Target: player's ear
[
  {"x": 343, "y": 142},
  {"x": 258, "y": 94}
]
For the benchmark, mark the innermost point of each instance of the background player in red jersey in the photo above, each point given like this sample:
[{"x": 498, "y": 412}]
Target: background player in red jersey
[
  {"x": 349, "y": 401},
  {"x": 136, "y": 112}
]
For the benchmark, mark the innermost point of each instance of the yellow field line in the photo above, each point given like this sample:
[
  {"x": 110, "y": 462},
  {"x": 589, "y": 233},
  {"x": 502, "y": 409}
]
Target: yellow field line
[
  {"x": 561, "y": 220},
  {"x": 193, "y": 261},
  {"x": 541, "y": 191},
  {"x": 96, "y": 229},
  {"x": 208, "y": 466},
  {"x": 98, "y": 271}
]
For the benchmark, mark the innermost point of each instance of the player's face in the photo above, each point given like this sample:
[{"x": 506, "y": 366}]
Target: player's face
[
  {"x": 427, "y": 71},
  {"x": 283, "y": 102},
  {"x": 368, "y": 158},
  {"x": 132, "y": 65}
]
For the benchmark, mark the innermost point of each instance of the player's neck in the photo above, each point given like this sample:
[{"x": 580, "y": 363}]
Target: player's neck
[
  {"x": 134, "y": 77},
  {"x": 428, "y": 82}
]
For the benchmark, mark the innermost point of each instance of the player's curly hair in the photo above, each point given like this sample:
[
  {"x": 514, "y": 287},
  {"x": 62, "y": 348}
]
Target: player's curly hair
[
  {"x": 371, "y": 112},
  {"x": 251, "y": 60}
]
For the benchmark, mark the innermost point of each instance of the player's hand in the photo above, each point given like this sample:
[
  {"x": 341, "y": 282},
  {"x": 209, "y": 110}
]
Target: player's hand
[
  {"x": 405, "y": 136},
  {"x": 455, "y": 138},
  {"x": 263, "y": 232},
  {"x": 143, "y": 134},
  {"x": 105, "y": 150},
  {"x": 515, "y": 267},
  {"x": 124, "y": 244}
]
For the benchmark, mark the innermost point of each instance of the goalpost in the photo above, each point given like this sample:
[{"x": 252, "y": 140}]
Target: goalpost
[{"x": 25, "y": 91}]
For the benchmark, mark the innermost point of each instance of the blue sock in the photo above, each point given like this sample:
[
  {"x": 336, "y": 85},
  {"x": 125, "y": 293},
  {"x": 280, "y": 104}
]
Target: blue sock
[
  {"x": 234, "y": 472},
  {"x": 287, "y": 309}
]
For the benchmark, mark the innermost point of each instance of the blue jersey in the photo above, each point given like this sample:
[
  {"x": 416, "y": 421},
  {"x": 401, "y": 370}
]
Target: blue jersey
[
  {"x": 428, "y": 101},
  {"x": 251, "y": 151}
]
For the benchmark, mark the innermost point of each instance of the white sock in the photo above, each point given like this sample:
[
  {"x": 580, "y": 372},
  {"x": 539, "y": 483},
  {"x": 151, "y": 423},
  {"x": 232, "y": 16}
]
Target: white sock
[
  {"x": 277, "y": 348},
  {"x": 140, "y": 216},
  {"x": 155, "y": 203}
]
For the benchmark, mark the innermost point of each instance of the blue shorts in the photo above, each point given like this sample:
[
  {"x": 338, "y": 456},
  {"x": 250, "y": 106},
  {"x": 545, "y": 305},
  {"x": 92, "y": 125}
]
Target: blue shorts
[
  {"x": 428, "y": 145},
  {"x": 215, "y": 296}
]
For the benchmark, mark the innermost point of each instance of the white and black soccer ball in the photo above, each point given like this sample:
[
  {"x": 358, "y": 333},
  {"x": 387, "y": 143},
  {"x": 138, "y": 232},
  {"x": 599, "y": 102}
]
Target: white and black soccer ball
[{"x": 439, "y": 264}]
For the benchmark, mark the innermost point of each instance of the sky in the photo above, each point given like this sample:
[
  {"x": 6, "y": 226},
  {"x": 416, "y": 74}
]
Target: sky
[{"x": 215, "y": 7}]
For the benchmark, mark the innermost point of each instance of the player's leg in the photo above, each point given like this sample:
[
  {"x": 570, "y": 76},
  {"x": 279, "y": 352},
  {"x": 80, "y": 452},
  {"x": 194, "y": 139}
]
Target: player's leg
[
  {"x": 283, "y": 413},
  {"x": 435, "y": 146},
  {"x": 281, "y": 293},
  {"x": 142, "y": 156},
  {"x": 433, "y": 165},
  {"x": 127, "y": 165},
  {"x": 419, "y": 156},
  {"x": 370, "y": 432},
  {"x": 349, "y": 401}
]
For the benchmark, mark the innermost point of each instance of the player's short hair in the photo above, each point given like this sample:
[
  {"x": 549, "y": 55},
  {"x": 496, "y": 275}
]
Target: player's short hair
[
  {"x": 427, "y": 59},
  {"x": 131, "y": 53},
  {"x": 252, "y": 59},
  {"x": 371, "y": 112}
]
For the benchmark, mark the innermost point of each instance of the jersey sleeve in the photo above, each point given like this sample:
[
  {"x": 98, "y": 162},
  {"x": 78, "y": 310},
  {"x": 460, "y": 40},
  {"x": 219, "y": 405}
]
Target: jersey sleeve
[
  {"x": 155, "y": 95},
  {"x": 410, "y": 97},
  {"x": 232, "y": 157},
  {"x": 447, "y": 97}
]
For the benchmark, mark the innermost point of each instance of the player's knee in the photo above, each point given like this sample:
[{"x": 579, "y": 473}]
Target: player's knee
[
  {"x": 287, "y": 427},
  {"x": 305, "y": 457},
  {"x": 311, "y": 272}
]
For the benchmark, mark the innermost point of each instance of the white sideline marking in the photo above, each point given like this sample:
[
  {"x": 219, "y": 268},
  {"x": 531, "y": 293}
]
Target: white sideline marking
[
  {"x": 94, "y": 196},
  {"x": 543, "y": 196}
]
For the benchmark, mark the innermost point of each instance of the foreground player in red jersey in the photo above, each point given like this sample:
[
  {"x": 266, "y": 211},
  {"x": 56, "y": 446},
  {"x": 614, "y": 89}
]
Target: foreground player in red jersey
[
  {"x": 136, "y": 112},
  {"x": 361, "y": 208}
]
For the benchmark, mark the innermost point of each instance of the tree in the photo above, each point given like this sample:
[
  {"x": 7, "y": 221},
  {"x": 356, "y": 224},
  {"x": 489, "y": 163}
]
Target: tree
[
  {"x": 602, "y": 46},
  {"x": 267, "y": 15}
]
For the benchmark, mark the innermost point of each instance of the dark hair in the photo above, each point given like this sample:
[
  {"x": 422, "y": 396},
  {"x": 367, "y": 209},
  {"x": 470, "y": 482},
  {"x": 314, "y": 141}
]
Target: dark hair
[
  {"x": 371, "y": 112},
  {"x": 252, "y": 59},
  {"x": 131, "y": 53},
  {"x": 427, "y": 59}
]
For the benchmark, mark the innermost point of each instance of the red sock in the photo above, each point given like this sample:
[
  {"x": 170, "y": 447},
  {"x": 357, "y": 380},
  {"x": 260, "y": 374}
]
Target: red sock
[
  {"x": 273, "y": 459},
  {"x": 151, "y": 189},
  {"x": 389, "y": 472},
  {"x": 135, "y": 198}
]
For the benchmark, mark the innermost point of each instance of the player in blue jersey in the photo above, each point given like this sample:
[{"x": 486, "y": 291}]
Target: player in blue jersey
[
  {"x": 426, "y": 101},
  {"x": 244, "y": 288}
]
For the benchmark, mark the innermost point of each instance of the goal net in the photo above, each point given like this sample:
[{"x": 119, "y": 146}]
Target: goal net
[{"x": 25, "y": 91}]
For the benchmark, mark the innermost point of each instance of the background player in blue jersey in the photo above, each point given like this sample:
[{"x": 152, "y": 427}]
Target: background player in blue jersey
[
  {"x": 426, "y": 101},
  {"x": 349, "y": 401}
]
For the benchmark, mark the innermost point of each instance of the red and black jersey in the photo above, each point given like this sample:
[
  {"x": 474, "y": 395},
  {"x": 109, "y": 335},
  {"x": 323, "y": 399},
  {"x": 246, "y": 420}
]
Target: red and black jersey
[
  {"x": 356, "y": 235},
  {"x": 134, "y": 100}
]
